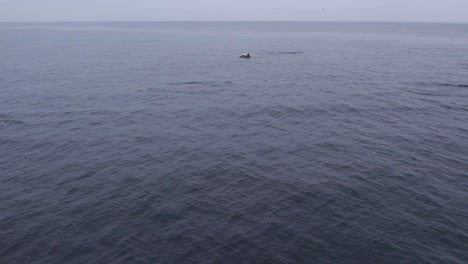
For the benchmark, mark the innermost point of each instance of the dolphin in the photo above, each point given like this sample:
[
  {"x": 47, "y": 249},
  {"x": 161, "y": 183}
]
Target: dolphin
[{"x": 245, "y": 56}]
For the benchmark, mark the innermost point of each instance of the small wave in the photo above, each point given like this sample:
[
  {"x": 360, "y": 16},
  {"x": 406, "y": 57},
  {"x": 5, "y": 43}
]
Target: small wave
[
  {"x": 4, "y": 123},
  {"x": 7, "y": 120},
  {"x": 454, "y": 85},
  {"x": 426, "y": 93},
  {"x": 191, "y": 90},
  {"x": 289, "y": 52},
  {"x": 455, "y": 107},
  {"x": 187, "y": 83},
  {"x": 442, "y": 84},
  {"x": 206, "y": 83}
]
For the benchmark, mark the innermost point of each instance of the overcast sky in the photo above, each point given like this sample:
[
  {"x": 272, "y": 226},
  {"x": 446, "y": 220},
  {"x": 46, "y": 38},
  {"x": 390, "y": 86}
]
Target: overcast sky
[{"x": 161, "y": 10}]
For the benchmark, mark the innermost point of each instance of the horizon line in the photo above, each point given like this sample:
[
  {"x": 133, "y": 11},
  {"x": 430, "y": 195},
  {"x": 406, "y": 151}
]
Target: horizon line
[{"x": 237, "y": 21}]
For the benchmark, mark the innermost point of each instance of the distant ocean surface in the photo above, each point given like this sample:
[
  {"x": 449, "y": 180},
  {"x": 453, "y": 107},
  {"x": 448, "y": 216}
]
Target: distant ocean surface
[{"x": 155, "y": 143}]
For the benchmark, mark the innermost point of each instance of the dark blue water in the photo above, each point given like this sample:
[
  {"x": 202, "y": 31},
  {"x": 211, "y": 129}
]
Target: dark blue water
[{"x": 155, "y": 143}]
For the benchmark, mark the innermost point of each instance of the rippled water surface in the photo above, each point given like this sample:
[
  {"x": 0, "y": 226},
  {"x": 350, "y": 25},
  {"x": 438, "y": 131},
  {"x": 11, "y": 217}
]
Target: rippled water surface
[{"x": 155, "y": 143}]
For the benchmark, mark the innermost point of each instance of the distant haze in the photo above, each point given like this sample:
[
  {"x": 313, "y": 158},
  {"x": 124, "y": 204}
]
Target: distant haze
[{"x": 206, "y": 10}]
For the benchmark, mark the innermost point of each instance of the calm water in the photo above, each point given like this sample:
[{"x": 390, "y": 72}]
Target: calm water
[{"x": 155, "y": 143}]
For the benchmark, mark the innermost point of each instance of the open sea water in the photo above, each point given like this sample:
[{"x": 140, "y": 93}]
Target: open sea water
[{"x": 155, "y": 143}]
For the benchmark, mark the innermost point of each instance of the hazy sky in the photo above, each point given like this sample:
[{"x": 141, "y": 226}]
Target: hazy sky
[{"x": 156, "y": 10}]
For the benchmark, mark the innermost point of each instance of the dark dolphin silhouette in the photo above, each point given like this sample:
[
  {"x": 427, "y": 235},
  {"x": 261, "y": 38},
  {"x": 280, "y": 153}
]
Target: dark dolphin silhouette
[{"x": 245, "y": 56}]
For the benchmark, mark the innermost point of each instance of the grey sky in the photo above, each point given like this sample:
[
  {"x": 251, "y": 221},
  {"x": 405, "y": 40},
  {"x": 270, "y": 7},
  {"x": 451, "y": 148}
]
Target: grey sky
[{"x": 157, "y": 10}]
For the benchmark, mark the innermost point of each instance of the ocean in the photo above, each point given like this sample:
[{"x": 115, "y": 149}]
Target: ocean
[{"x": 153, "y": 142}]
